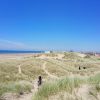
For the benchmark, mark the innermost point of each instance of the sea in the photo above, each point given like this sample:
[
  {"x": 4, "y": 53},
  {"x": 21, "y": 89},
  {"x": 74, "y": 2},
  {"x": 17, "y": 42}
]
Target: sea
[{"x": 18, "y": 51}]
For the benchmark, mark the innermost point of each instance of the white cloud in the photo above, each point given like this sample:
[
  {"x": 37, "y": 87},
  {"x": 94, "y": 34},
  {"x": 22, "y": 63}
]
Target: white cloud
[{"x": 7, "y": 44}]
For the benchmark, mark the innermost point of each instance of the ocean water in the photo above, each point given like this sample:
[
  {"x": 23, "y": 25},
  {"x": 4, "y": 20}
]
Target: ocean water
[{"x": 18, "y": 51}]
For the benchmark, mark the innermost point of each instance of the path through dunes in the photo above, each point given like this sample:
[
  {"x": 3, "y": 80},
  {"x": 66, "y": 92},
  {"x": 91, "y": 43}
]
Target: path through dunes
[
  {"x": 33, "y": 91},
  {"x": 24, "y": 74},
  {"x": 19, "y": 69},
  {"x": 29, "y": 96},
  {"x": 25, "y": 96},
  {"x": 50, "y": 75},
  {"x": 83, "y": 92},
  {"x": 35, "y": 87}
]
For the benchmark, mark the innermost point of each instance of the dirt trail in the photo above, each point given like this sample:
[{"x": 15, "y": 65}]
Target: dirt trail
[
  {"x": 33, "y": 91},
  {"x": 83, "y": 93},
  {"x": 19, "y": 69},
  {"x": 30, "y": 95},
  {"x": 25, "y": 96},
  {"x": 50, "y": 75}
]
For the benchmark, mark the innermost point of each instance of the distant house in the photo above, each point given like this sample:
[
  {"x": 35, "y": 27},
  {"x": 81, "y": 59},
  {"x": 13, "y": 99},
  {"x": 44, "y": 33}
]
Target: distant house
[{"x": 47, "y": 51}]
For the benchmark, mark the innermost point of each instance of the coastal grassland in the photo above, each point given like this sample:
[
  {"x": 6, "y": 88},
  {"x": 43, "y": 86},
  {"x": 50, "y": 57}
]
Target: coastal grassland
[
  {"x": 66, "y": 69},
  {"x": 55, "y": 70},
  {"x": 13, "y": 81},
  {"x": 69, "y": 87},
  {"x": 30, "y": 68},
  {"x": 94, "y": 81},
  {"x": 8, "y": 69},
  {"x": 15, "y": 87},
  {"x": 52, "y": 88},
  {"x": 71, "y": 55}
]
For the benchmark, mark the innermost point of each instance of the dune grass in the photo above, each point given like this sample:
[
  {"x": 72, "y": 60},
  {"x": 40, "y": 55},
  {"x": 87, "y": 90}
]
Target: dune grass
[
  {"x": 56, "y": 70},
  {"x": 67, "y": 85},
  {"x": 15, "y": 87},
  {"x": 32, "y": 67},
  {"x": 94, "y": 79},
  {"x": 95, "y": 84},
  {"x": 52, "y": 88},
  {"x": 10, "y": 78}
]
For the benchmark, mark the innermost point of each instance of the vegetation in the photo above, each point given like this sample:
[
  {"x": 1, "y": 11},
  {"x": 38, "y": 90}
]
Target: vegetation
[
  {"x": 15, "y": 87},
  {"x": 13, "y": 81},
  {"x": 72, "y": 71},
  {"x": 67, "y": 85},
  {"x": 54, "y": 87}
]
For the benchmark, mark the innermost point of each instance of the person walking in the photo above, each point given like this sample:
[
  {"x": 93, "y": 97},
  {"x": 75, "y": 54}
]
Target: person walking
[{"x": 39, "y": 81}]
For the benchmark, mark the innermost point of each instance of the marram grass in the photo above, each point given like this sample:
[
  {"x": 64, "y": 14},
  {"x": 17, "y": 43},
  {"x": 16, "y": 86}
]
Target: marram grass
[
  {"x": 15, "y": 87},
  {"x": 54, "y": 87}
]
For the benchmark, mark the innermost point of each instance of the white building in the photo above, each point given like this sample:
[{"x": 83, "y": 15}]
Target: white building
[{"x": 47, "y": 51}]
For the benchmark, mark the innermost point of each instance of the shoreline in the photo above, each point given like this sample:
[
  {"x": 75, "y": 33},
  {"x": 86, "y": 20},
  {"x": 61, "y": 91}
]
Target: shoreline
[{"x": 17, "y": 55}]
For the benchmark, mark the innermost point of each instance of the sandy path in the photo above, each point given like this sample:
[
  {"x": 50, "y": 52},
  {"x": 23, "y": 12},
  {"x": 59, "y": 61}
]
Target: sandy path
[
  {"x": 83, "y": 93},
  {"x": 50, "y": 75},
  {"x": 19, "y": 69},
  {"x": 25, "y": 96},
  {"x": 30, "y": 95},
  {"x": 33, "y": 91}
]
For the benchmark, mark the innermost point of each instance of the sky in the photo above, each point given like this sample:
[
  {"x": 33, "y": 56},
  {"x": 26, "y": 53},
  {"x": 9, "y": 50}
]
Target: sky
[{"x": 50, "y": 25}]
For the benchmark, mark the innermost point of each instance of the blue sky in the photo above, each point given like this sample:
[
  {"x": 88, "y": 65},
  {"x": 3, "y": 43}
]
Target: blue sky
[{"x": 50, "y": 24}]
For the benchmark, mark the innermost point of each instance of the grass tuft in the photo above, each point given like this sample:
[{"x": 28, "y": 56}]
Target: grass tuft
[{"x": 51, "y": 88}]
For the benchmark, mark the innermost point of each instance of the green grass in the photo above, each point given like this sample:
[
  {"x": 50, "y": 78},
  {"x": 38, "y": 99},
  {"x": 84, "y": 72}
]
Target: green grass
[
  {"x": 67, "y": 85},
  {"x": 71, "y": 55},
  {"x": 51, "y": 88},
  {"x": 56, "y": 70},
  {"x": 94, "y": 79},
  {"x": 95, "y": 91},
  {"x": 32, "y": 68},
  {"x": 10, "y": 78},
  {"x": 15, "y": 87}
]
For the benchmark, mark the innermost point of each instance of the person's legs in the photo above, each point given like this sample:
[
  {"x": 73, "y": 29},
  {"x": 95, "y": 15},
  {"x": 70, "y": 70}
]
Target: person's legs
[{"x": 39, "y": 80}]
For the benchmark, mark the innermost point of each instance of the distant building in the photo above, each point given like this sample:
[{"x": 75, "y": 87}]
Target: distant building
[{"x": 47, "y": 52}]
